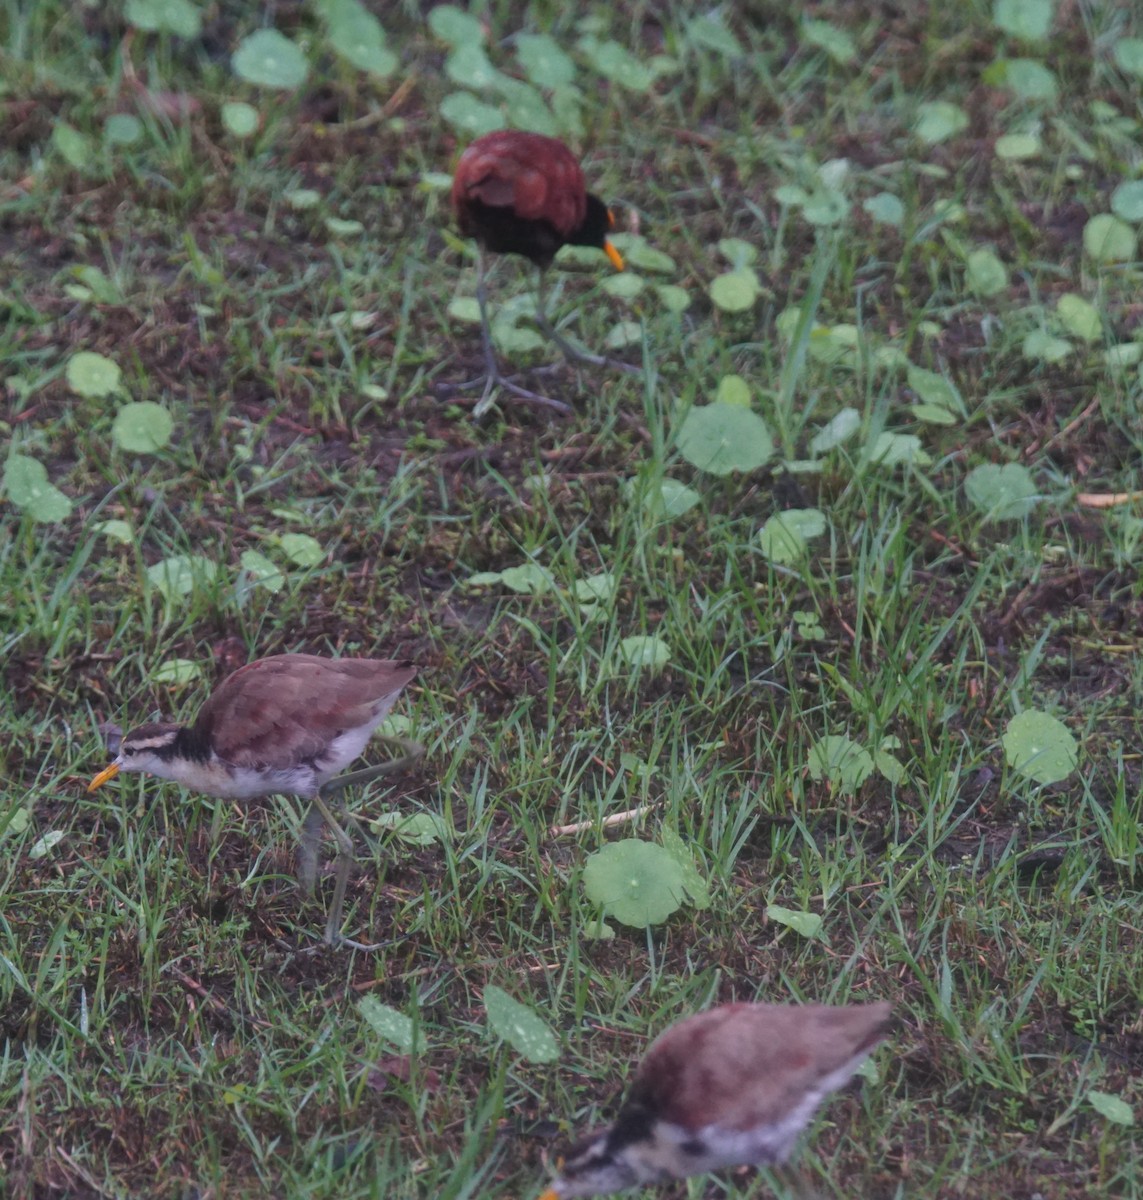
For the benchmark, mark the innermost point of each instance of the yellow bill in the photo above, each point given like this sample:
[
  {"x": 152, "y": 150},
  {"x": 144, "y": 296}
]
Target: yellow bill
[
  {"x": 617, "y": 263},
  {"x": 109, "y": 772}
]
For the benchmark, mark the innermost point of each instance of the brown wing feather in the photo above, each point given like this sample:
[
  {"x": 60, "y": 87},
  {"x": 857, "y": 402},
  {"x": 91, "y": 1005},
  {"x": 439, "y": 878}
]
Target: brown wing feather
[
  {"x": 282, "y": 710},
  {"x": 743, "y": 1065},
  {"x": 537, "y": 177}
]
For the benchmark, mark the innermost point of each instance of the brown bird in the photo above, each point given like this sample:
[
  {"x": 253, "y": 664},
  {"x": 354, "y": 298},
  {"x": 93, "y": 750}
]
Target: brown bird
[
  {"x": 730, "y": 1086},
  {"x": 523, "y": 193},
  {"x": 287, "y": 725}
]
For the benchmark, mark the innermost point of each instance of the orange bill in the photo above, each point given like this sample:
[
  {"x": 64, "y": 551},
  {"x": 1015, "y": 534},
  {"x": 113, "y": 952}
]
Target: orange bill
[
  {"x": 617, "y": 263},
  {"x": 108, "y": 772},
  {"x": 550, "y": 1194}
]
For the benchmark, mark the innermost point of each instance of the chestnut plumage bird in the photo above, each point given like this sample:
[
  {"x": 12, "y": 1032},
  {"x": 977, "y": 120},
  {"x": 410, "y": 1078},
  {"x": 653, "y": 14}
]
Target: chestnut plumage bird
[
  {"x": 524, "y": 193},
  {"x": 730, "y": 1086},
  {"x": 286, "y": 725}
]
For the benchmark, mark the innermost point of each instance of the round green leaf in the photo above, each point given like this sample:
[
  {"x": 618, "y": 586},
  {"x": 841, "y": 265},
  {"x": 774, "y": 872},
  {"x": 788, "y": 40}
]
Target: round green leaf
[
  {"x": 179, "y": 17},
  {"x": 1108, "y": 239},
  {"x": 644, "y": 257},
  {"x": 720, "y": 438},
  {"x": 894, "y": 449},
  {"x": 785, "y": 535},
  {"x": 645, "y": 650},
  {"x": 116, "y": 530},
  {"x": 842, "y": 762},
  {"x": 738, "y": 252},
  {"x": 357, "y": 35},
  {"x": 1030, "y": 80},
  {"x": 177, "y": 671},
  {"x": 544, "y": 62},
  {"x": 1002, "y": 493},
  {"x": 735, "y": 291},
  {"x": 733, "y": 389},
  {"x": 520, "y": 1027},
  {"x": 463, "y": 111},
  {"x": 418, "y": 829},
  {"x": 623, "y": 287},
  {"x": 1045, "y": 347},
  {"x": 73, "y": 147},
  {"x": 464, "y": 308},
  {"x": 1028, "y": 20},
  {"x": 673, "y": 500},
  {"x": 455, "y": 26},
  {"x": 268, "y": 59},
  {"x": 178, "y": 575},
  {"x": 672, "y": 297},
  {"x": 617, "y": 63},
  {"x": 122, "y": 129},
  {"x": 1128, "y": 54},
  {"x": 1038, "y": 746},
  {"x": 470, "y": 66},
  {"x": 301, "y": 549},
  {"x": 698, "y": 893},
  {"x": 92, "y": 375},
  {"x": 529, "y": 579},
  {"x": 239, "y": 119},
  {"x": 1079, "y": 317},
  {"x": 886, "y": 208},
  {"x": 634, "y": 882},
  {"x": 26, "y": 480},
  {"x": 1127, "y": 201},
  {"x": 938, "y": 121},
  {"x": 262, "y": 571},
  {"x": 987, "y": 275},
  {"x": 142, "y": 428},
  {"x": 1017, "y": 147},
  {"x": 808, "y": 924}
]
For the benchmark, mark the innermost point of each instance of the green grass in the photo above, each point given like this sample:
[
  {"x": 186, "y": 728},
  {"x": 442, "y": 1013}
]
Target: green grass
[{"x": 165, "y": 1028}]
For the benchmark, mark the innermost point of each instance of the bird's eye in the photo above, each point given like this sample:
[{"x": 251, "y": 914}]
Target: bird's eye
[{"x": 128, "y": 751}]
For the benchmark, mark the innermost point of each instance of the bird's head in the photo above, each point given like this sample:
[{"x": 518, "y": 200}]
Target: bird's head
[
  {"x": 598, "y": 222},
  {"x": 149, "y": 748},
  {"x": 593, "y": 1167}
]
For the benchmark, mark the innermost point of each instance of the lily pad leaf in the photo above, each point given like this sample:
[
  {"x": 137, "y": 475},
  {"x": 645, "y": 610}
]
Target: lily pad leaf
[
  {"x": 267, "y": 58},
  {"x": 1002, "y": 492},
  {"x": 525, "y": 1031},
  {"x": 841, "y": 761},
  {"x": 645, "y": 650},
  {"x": 178, "y": 575},
  {"x": 142, "y": 428},
  {"x": 26, "y": 481},
  {"x": 634, "y": 882},
  {"x": 301, "y": 549},
  {"x": 1040, "y": 747},
  {"x": 92, "y": 375},
  {"x": 720, "y": 438},
  {"x": 808, "y": 924},
  {"x": 785, "y": 536}
]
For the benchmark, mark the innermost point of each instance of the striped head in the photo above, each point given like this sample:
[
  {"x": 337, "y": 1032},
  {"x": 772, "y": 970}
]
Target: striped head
[{"x": 157, "y": 748}]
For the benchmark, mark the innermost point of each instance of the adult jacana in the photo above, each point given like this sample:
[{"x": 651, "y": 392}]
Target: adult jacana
[
  {"x": 524, "y": 193},
  {"x": 730, "y": 1086},
  {"x": 282, "y": 725}
]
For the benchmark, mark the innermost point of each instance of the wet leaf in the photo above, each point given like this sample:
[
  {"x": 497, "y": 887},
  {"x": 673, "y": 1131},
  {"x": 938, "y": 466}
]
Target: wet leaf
[{"x": 525, "y": 1031}]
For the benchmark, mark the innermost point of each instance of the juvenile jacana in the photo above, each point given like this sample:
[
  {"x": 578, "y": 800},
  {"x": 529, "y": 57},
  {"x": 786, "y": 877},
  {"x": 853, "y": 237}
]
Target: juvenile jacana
[
  {"x": 524, "y": 193},
  {"x": 287, "y": 725},
  {"x": 730, "y": 1086}
]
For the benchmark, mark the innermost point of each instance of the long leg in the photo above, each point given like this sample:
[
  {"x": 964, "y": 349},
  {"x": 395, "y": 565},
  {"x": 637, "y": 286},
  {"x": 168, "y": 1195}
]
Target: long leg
[
  {"x": 320, "y": 813},
  {"x": 570, "y": 351},
  {"x": 493, "y": 379}
]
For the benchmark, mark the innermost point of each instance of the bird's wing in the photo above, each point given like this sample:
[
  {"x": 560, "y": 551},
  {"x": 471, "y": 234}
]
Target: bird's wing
[
  {"x": 280, "y": 711},
  {"x": 747, "y": 1065}
]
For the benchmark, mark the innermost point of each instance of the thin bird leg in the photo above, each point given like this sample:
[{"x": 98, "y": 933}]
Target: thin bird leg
[
  {"x": 570, "y": 351},
  {"x": 333, "y": 934},
  {"x": 493, "y": 379},
  {"x": 320, "y": 813}
]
